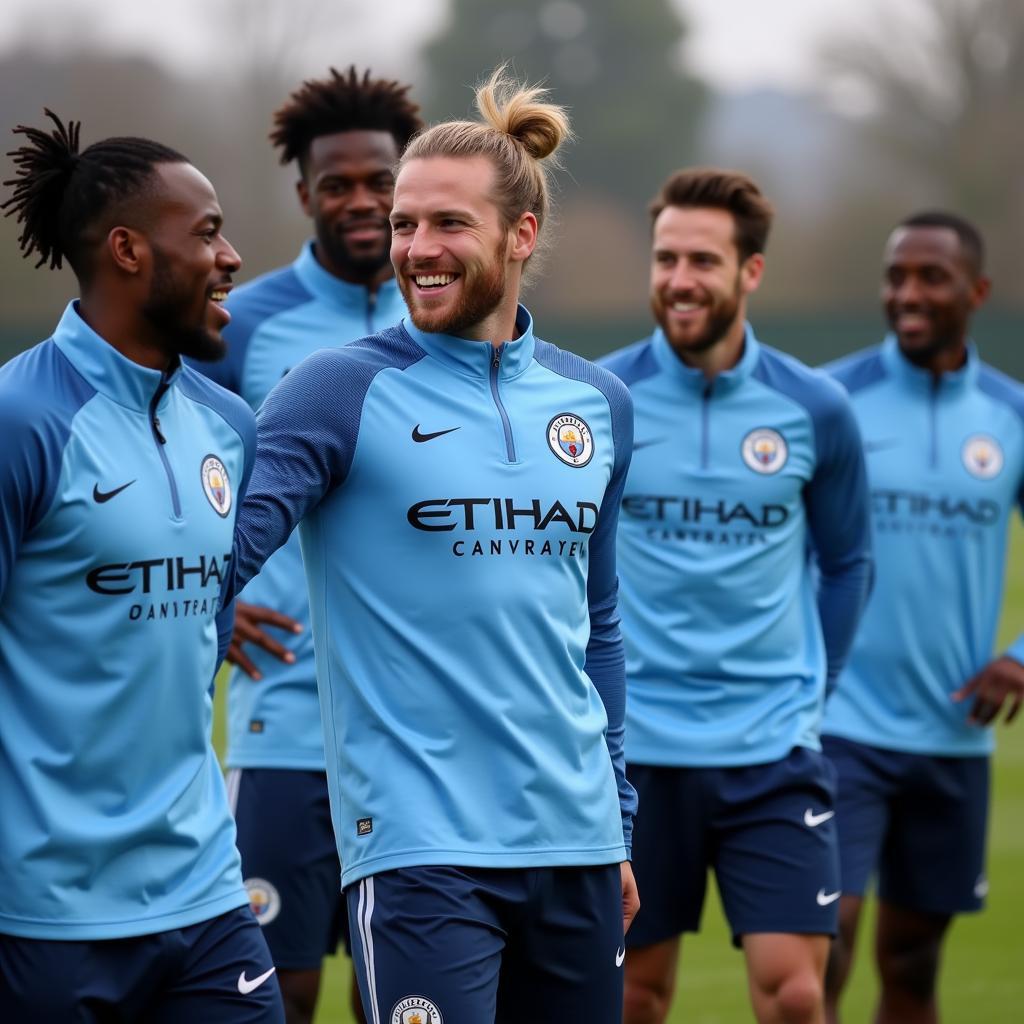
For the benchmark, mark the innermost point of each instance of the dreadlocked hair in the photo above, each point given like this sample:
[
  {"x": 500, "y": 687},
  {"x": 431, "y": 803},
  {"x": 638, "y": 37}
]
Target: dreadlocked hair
[
  {"x": 343, "y": 103},
  {"x": 59, "y": 192}
]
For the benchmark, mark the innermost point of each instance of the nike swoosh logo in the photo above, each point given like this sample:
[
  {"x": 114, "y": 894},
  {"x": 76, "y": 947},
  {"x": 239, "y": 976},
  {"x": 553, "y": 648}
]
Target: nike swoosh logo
[
  {"x": 879, "y": 446},
  {"x": 245, "y": 986},
  {"x": 812, "y": 820},
  {"x": 101, "y": 496},
  {"x": 825, "y": 898},
  {"x": 620, "y": 955},
  {"x": 637, "y": 445},
  {"x": 420, "y": 438}
]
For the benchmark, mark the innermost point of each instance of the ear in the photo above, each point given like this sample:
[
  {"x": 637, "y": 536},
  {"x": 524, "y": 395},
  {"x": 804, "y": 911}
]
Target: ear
[
  {"x": 128, "y": 249},
  {"x": 302, "y": 189},
  {"x": 751, "y": 272},
  {"x": 981, "y": 289},
  {"x": 523, "y": 238}
]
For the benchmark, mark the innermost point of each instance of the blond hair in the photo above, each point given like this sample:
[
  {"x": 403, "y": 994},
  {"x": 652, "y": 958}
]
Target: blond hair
[{"x": 517, "y": 132}]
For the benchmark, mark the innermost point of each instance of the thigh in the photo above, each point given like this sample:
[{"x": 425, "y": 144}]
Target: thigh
[
  {"x": 943, "y": 806},
  {"x": 776, "y": 855},
  {"x": 427, "y": 943},
  {"x": 670, "y": 854},
  {"x": 102, "y": 982},
  {"x": 225, "y": 975},
  {"x": 866, "y": 779},
  {"x": 564, "y": 958},
  {"x": 290, "y": 862}
]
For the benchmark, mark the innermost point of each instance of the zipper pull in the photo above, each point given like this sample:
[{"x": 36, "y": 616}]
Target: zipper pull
[
  {"x": 156, "y": 430},
  {"x": 497, "y": 357}
]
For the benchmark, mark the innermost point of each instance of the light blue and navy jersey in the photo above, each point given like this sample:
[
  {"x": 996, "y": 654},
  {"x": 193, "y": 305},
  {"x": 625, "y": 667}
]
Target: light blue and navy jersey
[
  {"x": 278, "y": 320},
  {"x": 945, "y": 460},
  {"x": 730, "y": 637},
  {"x": 457, "y": 504},
  {"x": 120, "y": 486}
]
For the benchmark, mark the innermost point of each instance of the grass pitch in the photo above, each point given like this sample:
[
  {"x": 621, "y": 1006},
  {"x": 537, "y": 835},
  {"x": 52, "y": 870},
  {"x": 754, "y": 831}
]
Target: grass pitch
[{"x": 983, "y": 974}]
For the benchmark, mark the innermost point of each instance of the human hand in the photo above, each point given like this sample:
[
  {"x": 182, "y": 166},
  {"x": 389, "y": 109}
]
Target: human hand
[
  {"x": 1000, "y": 683},
  {"x": 249, "y": 620}
]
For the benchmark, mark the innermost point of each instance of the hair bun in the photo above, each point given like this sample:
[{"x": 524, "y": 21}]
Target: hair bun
[{"x": 520, "y": 112}]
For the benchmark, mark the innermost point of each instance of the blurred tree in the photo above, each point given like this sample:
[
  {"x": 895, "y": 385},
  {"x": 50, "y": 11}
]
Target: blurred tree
[
  {"x": 940, "y": 84},
  {"x": 615, "y": 63}
]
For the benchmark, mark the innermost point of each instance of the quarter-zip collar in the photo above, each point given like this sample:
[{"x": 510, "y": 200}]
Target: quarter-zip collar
[
  {"x": 474, "y": 358},
  {"x": 109, "y": 372},
  {"x": 341, "y": 295},
  {"x": 919, "y": 379},
  {"x": 693, "y": 379}
]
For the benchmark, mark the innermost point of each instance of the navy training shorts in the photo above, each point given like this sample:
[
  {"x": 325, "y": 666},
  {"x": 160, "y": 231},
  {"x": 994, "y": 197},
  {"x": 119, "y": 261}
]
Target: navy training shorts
[
  {"x": 467, "y": 945},
  {"x": 766, "y": 830},
  {"x": 918, "y": 820},
  {"x": 218, "y": 970},
  {"x": 290, "y": 862}
]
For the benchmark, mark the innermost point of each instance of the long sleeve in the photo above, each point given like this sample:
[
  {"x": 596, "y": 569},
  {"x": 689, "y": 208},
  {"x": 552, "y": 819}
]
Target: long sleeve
[
  {"x": 839, "y": 518},
  {"x": 606, "y": 662}
]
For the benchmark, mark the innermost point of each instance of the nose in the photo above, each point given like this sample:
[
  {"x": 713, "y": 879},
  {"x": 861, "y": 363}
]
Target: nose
[
  {"x": 424, "y": 244},
  {"x": 228, "y": 258},
  {"x": 361, "y": 198},
  {"x": 681, "y": 279}
]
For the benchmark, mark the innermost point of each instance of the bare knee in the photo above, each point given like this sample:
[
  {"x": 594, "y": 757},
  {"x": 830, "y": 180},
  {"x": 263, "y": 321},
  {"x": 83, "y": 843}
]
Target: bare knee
[
  {"x": 799, "y": 999},
  {"x": 647, "y": 1001},
  {"x": 913, "y": 969}
]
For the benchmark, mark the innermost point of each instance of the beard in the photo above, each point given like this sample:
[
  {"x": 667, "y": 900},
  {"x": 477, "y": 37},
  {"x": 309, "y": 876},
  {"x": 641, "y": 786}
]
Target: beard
[
  {"x": 721, "y": 316},
  {"x": 167, "y": 311},
  {"x": 480, "y": 296},
  {"x": 352, "y": 265}
]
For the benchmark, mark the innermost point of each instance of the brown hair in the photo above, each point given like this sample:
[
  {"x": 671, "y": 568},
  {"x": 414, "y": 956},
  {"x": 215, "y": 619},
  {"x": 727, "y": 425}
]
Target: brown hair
[
  {"x": 518, "y": 130},
  {"x": 719, "y": 189}
]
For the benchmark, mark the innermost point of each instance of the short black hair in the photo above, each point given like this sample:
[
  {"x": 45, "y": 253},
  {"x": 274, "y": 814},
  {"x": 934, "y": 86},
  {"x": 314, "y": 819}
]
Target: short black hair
[
  {"x": 59, "y": 192},
  {"x": 971, "y": 243},
  {"x": 343, "y": 103}
]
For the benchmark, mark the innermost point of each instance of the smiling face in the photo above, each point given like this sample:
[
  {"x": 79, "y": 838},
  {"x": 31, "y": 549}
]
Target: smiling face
[
  {"x": 698, "y": 285},
  {"x": 929, "y": 291},
  {"x": 191, "y": 265},
  {"x": 458, "y": 264},
  {"x": 347, "y": 188}
]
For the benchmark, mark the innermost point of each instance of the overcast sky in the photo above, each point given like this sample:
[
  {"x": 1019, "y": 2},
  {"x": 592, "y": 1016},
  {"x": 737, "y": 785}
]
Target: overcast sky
[{"x": 734, "y": 44}]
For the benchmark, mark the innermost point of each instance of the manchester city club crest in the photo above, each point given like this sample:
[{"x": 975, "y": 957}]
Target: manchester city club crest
[
  {"x": 982, "y": 456},
  {"x": 570, "y": 439},
  {"x": 415, "y": 1010},
  {"x": 764, "y": 450},
  {"x": 264, "y": 900},
  {"x": 216, "y": 485}
]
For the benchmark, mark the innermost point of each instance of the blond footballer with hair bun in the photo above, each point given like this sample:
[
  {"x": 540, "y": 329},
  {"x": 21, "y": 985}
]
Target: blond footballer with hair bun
[{"x": 456, "y": 483}]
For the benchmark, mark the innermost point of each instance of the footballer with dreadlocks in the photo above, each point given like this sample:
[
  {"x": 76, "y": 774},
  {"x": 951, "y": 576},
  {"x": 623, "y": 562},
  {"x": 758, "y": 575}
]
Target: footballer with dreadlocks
[
  {"x": 121, "y": 893},
  {"x": 345, "y": 133}
]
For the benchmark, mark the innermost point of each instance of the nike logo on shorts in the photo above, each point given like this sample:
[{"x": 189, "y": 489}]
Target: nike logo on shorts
[
  {"x": 420, "y": 438},
  {"x": 812, "y": 820},
  {"x": 245, "y": 986},
  {"x": 620, "y": 955},
  {"x": 825, "y": 898}
]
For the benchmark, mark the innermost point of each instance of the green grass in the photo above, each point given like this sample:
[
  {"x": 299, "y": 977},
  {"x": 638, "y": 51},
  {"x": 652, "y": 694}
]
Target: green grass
[{"x": 983, "y": 974}]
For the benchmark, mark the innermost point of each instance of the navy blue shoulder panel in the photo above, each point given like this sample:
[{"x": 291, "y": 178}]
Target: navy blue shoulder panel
[
  {"x": 338, "y": 379},
  {"x": 633, "y": 363},
  {"x": 1002, "y": 388},
  {"x": 232, "y": 409},
  {"x": 823, "y": 398},
  {"x": 249, "y": 306},
  {"x": 40, "y": 393},
  {"x": 859, "y": 370}
]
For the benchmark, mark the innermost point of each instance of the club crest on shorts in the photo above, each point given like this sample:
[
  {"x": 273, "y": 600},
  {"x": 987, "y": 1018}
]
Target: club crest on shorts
[
  {"x": 264, "y": 900},
  {"x": 415, "y": 1010},
  {"x": 570, "y": 439},
  {"x": 216, "y": 485},
  {"x": 764, "y": 450},
  {"x": 982, "y": 456}
]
